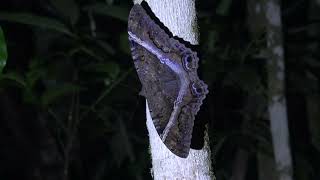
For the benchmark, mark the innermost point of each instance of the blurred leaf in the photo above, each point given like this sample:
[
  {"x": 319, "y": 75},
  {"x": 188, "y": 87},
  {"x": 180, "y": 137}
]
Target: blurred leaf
[
  {"x": 30, "y": 96},
  {"x": 254, "y": 106},
  {"x": 313, "y": 107},
  {"x": 3, "y": 51},
  {"x": 68, "y": 8},
  {"x": 124, "y": 43},
  {"x": 212, "y": 39},
  {"x": 14, "y": 77},
  {"x": 312, "y": 62},
  {"x": 37, "y": 21},
  {"x": 218, "y": 146},
  {"x": 54, "y": 94},
  {"x": 106, "y": 47},
  {"x": 100, "y": 170},
  {"x": 86, "y": 50},
  {"x": 305, "y": 83},
  {"x": 34, "y": 75},
  {"x": 223, "y": 8},
  {"x": 121, "y": 145},
  {"x": 246, "y": 78},
  {"x": 109, "y": 10},
  {"x": 109, "y": 2},
  {"x": 304, "y": 167},
  {"x": 111, "y": 68}
]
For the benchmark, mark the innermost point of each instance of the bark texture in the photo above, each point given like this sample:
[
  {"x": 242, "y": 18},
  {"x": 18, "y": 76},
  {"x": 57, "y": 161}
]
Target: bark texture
[{"x": 180, "y": 18}]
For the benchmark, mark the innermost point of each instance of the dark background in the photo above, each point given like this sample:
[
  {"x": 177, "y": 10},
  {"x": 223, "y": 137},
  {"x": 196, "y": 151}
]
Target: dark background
[{"x": 69, "y": 103}]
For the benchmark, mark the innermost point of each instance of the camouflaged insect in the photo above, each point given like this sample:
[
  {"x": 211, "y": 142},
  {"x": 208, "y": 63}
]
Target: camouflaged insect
[{"x": 167, "y": 70}]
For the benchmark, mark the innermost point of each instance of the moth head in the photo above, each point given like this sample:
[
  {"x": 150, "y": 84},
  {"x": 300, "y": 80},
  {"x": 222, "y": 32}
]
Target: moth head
[
  {"x": 199, "y": 88},
  {"x": 190, "y": 62}
]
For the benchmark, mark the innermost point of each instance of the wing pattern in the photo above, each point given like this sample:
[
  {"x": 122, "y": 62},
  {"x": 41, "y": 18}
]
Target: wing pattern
[{"x": 167, "y": 70}]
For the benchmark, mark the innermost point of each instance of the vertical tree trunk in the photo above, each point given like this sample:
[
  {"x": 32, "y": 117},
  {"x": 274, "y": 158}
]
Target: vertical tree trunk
[
  {"x": 266, "y": 15},
  {"x": 180, "y": 18},
  {"x": 276, "y": 86}
]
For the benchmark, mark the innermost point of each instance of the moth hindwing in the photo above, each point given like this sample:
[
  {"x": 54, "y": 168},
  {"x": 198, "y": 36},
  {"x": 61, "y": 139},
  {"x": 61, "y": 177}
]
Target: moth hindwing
[{"x": 167, "y": 70}]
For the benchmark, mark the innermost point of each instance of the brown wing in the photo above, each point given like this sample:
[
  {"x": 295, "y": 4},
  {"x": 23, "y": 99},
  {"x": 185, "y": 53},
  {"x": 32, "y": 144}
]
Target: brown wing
[{"x": 161, "y": 85}]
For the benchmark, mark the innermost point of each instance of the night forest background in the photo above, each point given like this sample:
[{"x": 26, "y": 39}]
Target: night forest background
[{"x": 69, "y": 95}]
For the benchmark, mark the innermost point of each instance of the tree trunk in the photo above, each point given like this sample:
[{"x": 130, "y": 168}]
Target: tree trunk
[
  {"x": 179, "y": 17},
  {"x": 266, "y": 16}
]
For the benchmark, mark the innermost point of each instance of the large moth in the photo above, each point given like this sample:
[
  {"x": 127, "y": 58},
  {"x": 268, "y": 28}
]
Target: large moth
[{"x": 167, "y": 70}]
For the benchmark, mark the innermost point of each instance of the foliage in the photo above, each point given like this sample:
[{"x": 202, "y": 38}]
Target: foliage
[
  {"x": 76, "y": 76},
  {"x": 3, "y": 51}
]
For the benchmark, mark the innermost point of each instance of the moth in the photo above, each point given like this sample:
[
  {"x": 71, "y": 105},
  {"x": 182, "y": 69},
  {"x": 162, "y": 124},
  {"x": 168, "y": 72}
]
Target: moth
[{"x": 167, "y": 70}]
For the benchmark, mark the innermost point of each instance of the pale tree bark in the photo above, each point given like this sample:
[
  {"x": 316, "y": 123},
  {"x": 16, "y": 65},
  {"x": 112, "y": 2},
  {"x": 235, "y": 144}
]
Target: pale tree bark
[
  {"x": 266, "y": 16},
  {"x": 179, "y": 16},
  {"x": 256, "y": 23}
]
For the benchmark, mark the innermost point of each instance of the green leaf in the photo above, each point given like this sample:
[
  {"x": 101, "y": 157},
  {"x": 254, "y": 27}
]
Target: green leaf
[
  {"x": 13, "y": 76},
  {"x": 245, "y": 78},
  {"x": 53, "y": 94},
  {"x": 106, "y": 47},
  {"x": 121, "y": 145},
  {"x": 223, "y": 8},
  {"x": 33, "y": 76},
  {"x": 67, "y": 8},
  {"x": 111, "y": 68},
  {"x": 37, "y": 21},
  {"x": 124, "y": 43},
  {"x": 312, "y": 62},
  {"x": 30, "y": 96},
  {"x": 212, "y": 39},
  {"x": 109, "y": 10},
  {"x": 3, "y": 51}
]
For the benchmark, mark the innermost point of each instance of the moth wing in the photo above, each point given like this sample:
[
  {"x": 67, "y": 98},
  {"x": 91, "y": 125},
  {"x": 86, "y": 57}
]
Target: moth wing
[
  {"x": 159, "y": 85},
  {"x": 179, "y": 138}
]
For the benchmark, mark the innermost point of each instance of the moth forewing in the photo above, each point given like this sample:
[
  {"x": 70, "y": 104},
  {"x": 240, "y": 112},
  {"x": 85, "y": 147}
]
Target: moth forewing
[{"x": 167, "y": 70}]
